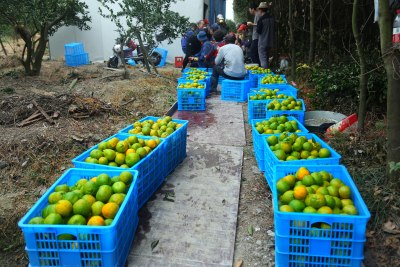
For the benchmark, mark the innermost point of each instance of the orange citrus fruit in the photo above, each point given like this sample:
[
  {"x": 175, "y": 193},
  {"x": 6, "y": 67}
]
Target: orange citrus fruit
[
  {"x": 286, "y": 208},
  {"x": 82, "y": 207},
  {"x": 64, "y": 207},
  {"x": 300, "y": 192},
  {"x": 301, "y": 172},
  {"x": 96, "y": 208},
  {"x": 96, "y": 221},
  {"x": 109, "y": 210}
]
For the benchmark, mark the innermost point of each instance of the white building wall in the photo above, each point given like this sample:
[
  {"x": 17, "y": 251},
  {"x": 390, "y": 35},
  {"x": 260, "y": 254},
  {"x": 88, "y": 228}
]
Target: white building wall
[{"x": 100, "y": 39}]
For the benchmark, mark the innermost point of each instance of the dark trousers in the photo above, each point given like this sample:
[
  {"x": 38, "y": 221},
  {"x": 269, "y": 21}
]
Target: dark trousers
[
  {"x": 254, "y": 52},
  {"x": 218, "y": 71},
  {"x": 264, "y": 56}
]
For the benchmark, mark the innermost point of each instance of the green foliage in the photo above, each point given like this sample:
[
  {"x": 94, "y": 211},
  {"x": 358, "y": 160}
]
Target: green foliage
[
  {"x": 337, "y": 85},
  {"x": 35, "y": 20},
  {"x": 145, "y": 18},
  {"x": 241, "y": 10},
  {"x": 335, "y": 81},
  {"x": 230, "y": 24},
  {"x": 50, "y": 15},
  {"x": 394, "y": 166}
]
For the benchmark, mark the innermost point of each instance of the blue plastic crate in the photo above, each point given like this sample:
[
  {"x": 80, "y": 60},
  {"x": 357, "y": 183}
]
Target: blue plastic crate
[
  {"x": 281, "y": 87},
  {"x": 254, "y": 77},
  {"x": 235, "y": 90},
  {"x": 72, "y": 49},
  {"x": 260, "y": 85},
  {"x": 163, "y": 52},
  {"x": 259, "y": 158},
  {"x": 94, "y": 245},
  {"x": 298, "y": 114},
  {"x": 299, "y": 244},
  {"x": 257, "y": 108},
  {"x": 192, "y": 99},
  {"x": 207, "y": 82},
  {"x": 271, "y": 160},
  {"x": 220, "y": 79},
  {"x": 151, "y": 168},
  {"x": 77, "y": 60},
  {"x": 258, "y": 138},
  {"x": 175, "y": 143}
]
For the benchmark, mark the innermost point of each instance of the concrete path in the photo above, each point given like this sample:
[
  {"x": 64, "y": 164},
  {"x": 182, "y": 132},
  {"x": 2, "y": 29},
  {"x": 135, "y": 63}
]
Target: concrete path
[{"x": 199, "y": 227}]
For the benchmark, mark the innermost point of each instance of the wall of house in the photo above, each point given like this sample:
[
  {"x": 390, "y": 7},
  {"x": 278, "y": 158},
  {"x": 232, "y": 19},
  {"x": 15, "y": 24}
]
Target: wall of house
[{"x": 100, "y": 39}]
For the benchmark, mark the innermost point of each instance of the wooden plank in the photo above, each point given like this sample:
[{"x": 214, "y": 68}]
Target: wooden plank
[{"x": 50, "y": 120}]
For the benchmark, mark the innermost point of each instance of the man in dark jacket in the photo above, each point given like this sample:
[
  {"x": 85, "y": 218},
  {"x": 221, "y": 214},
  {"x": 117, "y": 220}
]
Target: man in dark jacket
[
  {"x": 254, "y": 36},
  {"x": 265, "y": 30}
]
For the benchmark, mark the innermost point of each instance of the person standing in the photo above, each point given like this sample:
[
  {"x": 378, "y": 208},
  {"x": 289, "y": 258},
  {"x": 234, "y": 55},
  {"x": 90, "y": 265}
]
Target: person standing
[
  {"x": 192, "y": 44},
  {"x": 254, "y": 37},
  {"x": 265, "y": 30},
  {"x": 233, "y": 68}
]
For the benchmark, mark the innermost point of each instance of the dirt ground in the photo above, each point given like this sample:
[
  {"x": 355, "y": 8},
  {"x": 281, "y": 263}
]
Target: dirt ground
[
  {"x": 255, "y": 242},
  {"x": 33, "y": 157}
]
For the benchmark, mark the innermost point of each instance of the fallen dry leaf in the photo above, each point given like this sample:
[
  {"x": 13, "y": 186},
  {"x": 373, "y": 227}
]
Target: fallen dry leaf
[
  {"x": 239, "y": 263},
  {"x": 390, "y": 227}
]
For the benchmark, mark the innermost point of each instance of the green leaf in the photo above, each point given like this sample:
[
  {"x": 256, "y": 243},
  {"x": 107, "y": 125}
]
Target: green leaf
[{"x": 250, "y": 230}]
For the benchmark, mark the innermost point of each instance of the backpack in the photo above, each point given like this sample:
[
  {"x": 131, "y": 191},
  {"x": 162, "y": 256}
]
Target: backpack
[{"x": 184, "y": 40}]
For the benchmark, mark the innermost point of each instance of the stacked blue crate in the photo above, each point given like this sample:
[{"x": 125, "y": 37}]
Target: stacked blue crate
[{"x": 75, "y": 55}]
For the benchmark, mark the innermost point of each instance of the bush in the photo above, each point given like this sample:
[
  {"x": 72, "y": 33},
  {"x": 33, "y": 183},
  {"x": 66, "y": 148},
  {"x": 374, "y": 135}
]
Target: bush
[{"x": 336, "y": 87}]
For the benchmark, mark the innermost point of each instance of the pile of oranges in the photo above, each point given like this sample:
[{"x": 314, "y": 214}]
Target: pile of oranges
[
  {"x": 94, "y": 201},
  {"x": 314, "y": 192},
  {"x": 122, "y": 153}
]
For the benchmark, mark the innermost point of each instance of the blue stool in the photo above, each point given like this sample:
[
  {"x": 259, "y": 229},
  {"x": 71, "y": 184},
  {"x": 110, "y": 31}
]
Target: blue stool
[{"x": 235, "y": 90}]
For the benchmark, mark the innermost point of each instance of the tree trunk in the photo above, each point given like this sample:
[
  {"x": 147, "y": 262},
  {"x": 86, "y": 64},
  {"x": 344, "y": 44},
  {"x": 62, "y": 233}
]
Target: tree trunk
[
  {"x": 391, "y": 61},
  {"x": 144, "y": 52},
  {"x": 2, "y": 47},
  {"x": 28, "y": 59},
  {"x": 330, "y": 54},
  {"x": 362, "y": 106},
  {"x": 121, "y": 56},
  {"x": 311, "y": 53},
  {"x": 293, "y": 49},
  {"x": 39, "y": 53}
]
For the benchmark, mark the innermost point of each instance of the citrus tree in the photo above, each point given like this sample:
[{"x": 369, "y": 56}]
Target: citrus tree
[
  {"x": 144, "y": 19},
  {"x": 35, "y": 20}
]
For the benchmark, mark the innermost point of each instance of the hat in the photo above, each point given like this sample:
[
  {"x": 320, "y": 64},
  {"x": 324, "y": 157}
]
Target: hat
[
  {"x": 242, "y": 27},
  {"x": 205, "y": 21},
  {"x": 202, "y": 36},
  {"x": 214, "y": 27},
  {"x": 219, "y": 16},
  {"x": 263, "y": 5}
]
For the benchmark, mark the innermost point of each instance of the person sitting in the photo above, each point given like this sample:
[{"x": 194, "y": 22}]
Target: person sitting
[
  {"x": 193, "y": 47},
  {"x": 206, "y": 57},
  {"x": 233, "y": 67}
]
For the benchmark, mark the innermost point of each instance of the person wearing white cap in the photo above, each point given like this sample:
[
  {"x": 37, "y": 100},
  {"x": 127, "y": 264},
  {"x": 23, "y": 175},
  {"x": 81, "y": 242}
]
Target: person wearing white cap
[
  {"x": 220, "y": 24},
  {"x": 265, "y": 30}
]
